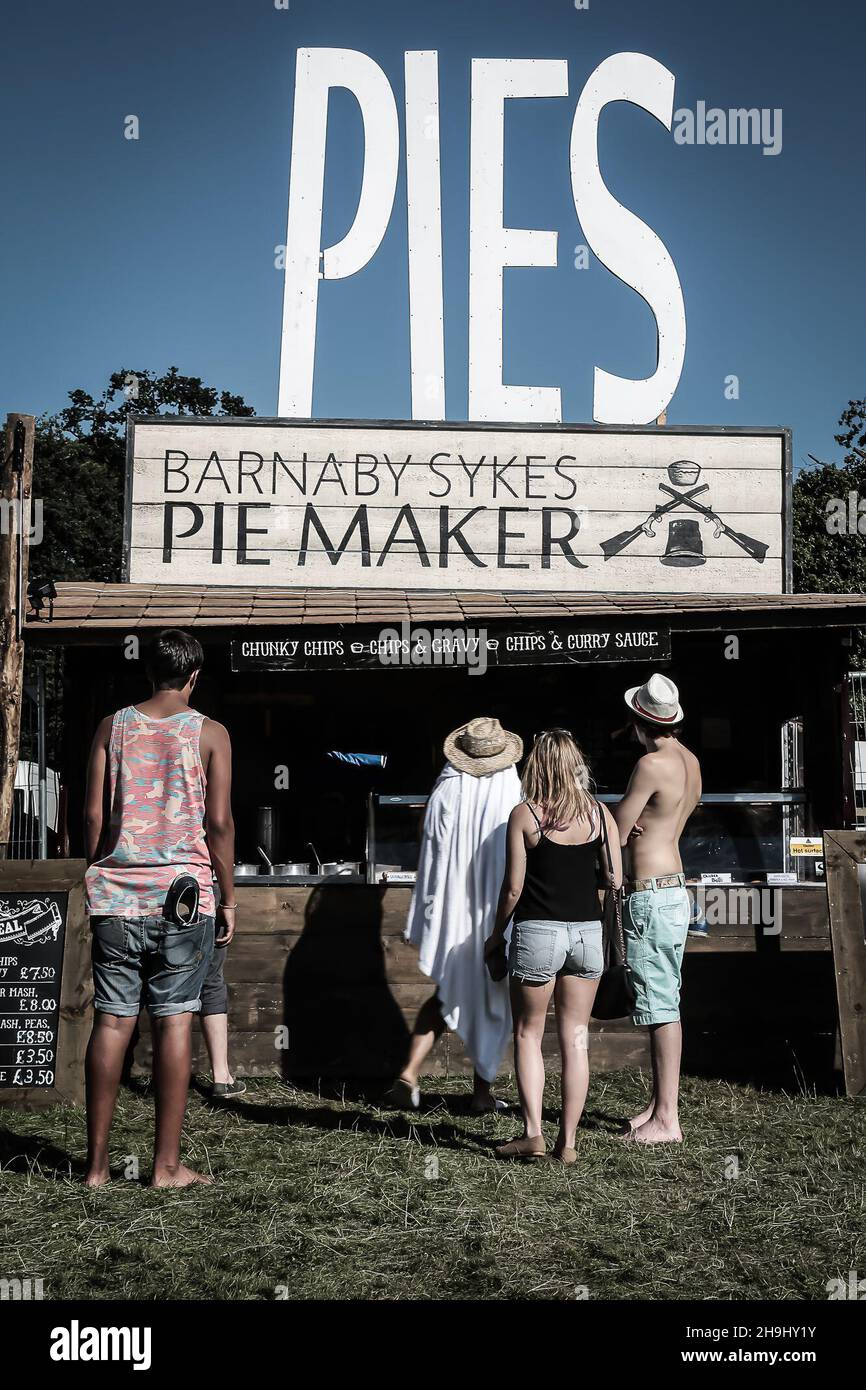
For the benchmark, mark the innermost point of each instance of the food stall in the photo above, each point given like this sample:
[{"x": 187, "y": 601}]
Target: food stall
[
  {"x": 338, "y": 695},
  {"x": 313, "y": 947}
]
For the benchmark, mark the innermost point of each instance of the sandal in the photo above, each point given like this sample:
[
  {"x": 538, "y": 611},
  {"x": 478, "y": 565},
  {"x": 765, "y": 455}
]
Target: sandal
[{"x": 525, "y": 1149}]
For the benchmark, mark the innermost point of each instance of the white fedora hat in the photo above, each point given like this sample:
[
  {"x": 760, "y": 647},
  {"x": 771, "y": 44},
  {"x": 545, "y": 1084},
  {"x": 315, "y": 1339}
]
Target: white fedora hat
[
  {"x": 658, "y": 701},
  {"x": 482, "y": 746}
]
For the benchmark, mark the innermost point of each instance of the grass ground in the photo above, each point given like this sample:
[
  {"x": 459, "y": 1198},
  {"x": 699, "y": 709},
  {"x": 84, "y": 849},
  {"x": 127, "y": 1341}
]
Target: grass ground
[{"x": 323, "y": 1197}]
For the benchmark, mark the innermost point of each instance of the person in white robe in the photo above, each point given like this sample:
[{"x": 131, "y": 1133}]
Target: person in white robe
[{"x": 460, "y": 867}]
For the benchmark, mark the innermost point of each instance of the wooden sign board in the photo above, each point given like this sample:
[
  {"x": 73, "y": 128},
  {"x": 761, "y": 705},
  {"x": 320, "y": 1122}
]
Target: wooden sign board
[
  {"x": 418, "y": 647},
  {"x": 46, "y": 992},
  {"x": 475, "y": 507}
]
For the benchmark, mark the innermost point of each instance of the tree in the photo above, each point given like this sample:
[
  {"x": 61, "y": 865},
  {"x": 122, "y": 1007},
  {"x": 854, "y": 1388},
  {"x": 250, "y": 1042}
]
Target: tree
[
  {"x": 828, "y": 558},
  {"x": 79, "y": 467}
]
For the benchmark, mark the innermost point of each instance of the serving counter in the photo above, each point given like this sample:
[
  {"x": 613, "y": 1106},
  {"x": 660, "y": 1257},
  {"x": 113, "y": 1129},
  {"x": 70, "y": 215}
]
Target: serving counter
[
  {"x": 322, "y": 984},
  {"x": 329, "y": 963}
]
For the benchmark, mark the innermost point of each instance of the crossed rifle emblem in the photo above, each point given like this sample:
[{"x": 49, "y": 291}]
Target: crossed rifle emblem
[{"x": 685, "y": 473}]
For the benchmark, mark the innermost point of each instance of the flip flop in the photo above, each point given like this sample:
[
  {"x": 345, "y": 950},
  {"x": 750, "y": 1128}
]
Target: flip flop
[
  {"x": 495, "y": 1107},
  {"x": 402, "y": 1096}
]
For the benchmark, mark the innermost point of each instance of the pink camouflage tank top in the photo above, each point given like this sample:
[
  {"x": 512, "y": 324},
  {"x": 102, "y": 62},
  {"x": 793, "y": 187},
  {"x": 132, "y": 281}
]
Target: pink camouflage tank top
[{"x": 156, "y": 829}]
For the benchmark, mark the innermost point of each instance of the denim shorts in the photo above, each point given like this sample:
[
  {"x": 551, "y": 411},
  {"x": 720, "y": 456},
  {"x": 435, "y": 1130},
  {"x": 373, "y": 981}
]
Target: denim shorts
[
  {"x": 214, "y": 995},
  {"x": 541, "y": 950},
  {"x": 655, "y": 926},
  {"x": 149, "y": 961}
]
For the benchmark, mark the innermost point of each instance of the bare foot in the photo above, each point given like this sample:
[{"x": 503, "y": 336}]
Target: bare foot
[
  {"x": 181, "y": 1176},
  {"x": 654, "y": 1132},
  {"x": 96, "y": 1177}
]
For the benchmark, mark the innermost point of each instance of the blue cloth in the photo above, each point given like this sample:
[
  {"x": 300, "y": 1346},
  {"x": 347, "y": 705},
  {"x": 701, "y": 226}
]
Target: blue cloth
[{"x": 361, "y": 759}]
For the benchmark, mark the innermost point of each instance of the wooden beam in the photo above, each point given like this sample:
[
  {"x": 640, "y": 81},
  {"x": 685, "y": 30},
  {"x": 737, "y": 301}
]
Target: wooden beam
[{"x": 16, "y": 475}]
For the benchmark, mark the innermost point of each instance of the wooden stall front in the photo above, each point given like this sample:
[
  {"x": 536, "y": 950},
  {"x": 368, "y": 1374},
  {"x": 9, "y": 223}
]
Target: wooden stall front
[
  {"x": 331, "y": 966},
  {"x": 321, "y": 982}
]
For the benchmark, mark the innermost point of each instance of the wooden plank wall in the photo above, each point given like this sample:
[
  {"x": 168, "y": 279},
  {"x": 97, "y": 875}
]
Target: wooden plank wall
[{"x": 330, "y": 966}]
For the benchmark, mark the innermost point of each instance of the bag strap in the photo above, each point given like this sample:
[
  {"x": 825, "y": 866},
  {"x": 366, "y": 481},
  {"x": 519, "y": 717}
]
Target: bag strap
[
  {"x": 616, "y": 892},
  {"x": 605, "y": 844}
]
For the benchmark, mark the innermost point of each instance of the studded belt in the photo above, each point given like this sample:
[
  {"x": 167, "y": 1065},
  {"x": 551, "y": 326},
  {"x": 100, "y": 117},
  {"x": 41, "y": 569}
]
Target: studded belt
[{"x": 650, "y": 885}]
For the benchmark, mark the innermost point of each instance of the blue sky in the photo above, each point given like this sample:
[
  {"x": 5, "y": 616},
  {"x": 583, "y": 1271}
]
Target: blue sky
[{"x": 149, "y": 253}]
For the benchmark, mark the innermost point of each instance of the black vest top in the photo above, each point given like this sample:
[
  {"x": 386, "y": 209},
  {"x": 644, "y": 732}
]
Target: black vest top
[{"x": 561, "y": 883}]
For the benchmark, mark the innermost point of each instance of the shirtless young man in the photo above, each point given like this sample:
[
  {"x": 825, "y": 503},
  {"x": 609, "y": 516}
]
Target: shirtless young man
[{"x": 664, "y": 789}]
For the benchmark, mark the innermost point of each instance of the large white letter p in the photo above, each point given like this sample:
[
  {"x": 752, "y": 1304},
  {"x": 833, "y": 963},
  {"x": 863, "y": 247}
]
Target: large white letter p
[{"x": 317, "y": 71}]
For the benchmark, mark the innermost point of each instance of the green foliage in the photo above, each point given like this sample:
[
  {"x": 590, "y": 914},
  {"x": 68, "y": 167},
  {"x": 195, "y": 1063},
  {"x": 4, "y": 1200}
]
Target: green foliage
[
  {"x": 827, "y": 563},
  {"x": 79, "y": 467}
]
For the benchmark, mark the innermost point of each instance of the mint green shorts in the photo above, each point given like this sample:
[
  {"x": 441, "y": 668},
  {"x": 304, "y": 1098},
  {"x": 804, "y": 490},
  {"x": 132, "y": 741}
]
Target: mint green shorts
[{"x": 656, "y": 924}]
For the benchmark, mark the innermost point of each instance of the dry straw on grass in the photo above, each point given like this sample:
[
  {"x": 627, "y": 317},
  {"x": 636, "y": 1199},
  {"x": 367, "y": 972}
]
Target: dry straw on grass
[{"x": 327, "y": 1196}]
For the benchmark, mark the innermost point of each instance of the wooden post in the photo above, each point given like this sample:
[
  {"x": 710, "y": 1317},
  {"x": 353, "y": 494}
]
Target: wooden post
[
  {"x": 14, "y": 545},
  {"x": 845, "y": 860}
]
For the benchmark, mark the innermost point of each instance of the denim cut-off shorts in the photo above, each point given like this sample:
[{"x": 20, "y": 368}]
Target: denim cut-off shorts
[
  {"x": 655, "y": 926},
  {"x": 541, "y": 950},
  {"x": 214, "y": 993},
  {"x": 147, "y": 960}
]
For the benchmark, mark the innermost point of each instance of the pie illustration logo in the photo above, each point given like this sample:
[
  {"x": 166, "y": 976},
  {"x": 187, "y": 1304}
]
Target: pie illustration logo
[{"x": 29, "y": 921}]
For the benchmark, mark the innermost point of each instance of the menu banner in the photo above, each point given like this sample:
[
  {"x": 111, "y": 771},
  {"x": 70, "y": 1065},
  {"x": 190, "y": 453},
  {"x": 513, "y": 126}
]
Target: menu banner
[{"x": 416, "y": 646}]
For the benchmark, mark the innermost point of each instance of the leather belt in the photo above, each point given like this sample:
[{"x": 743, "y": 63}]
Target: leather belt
[{"x": 651, "y": 885}]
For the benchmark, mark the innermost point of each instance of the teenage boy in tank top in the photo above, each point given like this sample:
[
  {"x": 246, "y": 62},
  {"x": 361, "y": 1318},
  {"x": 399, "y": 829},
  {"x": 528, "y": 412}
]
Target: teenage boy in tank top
[
  {"x": 663, "y": 791},
  {"x": 158, "y": 805}
]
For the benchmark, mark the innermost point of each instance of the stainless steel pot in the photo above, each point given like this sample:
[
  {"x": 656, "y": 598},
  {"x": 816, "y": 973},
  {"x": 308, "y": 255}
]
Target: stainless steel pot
[
  {"x": 246, "y": 870},
  {"x": 290, "y": 869},
  {"x": 335, "y": 866}
]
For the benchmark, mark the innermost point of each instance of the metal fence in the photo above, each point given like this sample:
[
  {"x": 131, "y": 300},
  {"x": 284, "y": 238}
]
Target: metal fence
[
  {"x": 856, "y": 743},
  {"x": 36, "y": 803}
]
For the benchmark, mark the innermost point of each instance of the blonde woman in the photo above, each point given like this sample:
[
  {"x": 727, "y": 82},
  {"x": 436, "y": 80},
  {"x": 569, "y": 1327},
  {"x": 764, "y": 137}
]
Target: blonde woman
[{"x": 555, "y": 863}]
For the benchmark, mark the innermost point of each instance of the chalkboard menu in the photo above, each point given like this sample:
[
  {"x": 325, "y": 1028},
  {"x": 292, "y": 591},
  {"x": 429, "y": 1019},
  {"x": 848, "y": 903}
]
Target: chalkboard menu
[{"x": 31, "y": 966}]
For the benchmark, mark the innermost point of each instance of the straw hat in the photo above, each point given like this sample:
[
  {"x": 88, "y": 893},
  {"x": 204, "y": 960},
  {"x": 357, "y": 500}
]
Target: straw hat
[
  {"x": 658, "y": 701},
  {"x": 482, "y": 746}
]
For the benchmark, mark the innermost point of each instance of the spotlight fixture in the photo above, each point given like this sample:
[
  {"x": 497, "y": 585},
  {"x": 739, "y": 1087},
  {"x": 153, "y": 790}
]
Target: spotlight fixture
[{"x": 37, "y": 593}]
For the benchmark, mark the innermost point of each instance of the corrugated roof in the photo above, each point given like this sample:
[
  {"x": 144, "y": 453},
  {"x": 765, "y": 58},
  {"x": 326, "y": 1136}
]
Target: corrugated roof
[{"x": 85, "y": 608}]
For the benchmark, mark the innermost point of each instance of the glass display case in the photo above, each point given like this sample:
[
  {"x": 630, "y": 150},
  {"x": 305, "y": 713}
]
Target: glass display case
[
  {"x": 746, "y": 835},
  {"x": 393, "y": 836}
]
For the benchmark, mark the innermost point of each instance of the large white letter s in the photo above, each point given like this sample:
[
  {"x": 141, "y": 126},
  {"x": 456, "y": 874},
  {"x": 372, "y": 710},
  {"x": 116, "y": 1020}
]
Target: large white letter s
[{"x": 626, "y": 245}]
